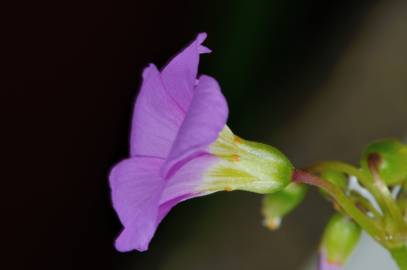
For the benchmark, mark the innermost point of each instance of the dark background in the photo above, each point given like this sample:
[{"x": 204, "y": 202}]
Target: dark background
[{"x": 72, "y": 73}]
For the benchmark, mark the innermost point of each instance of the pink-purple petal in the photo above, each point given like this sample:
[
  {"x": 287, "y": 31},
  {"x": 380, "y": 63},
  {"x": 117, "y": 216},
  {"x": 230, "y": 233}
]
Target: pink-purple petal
[
  {"x": 142, "y": 198},
  {"x": 184, "y": 184},
  {"x": 136, "y": 190},
  {"x": 187, "y": 179},
  {"x": 156, "y": 118},
  {"x": 204, "y": 121},
  {"x": 176, "y": 117},
  {"x": 180, "y": 73}
]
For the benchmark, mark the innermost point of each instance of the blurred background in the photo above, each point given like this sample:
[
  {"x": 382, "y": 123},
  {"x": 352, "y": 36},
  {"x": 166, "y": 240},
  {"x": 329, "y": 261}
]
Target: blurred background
[{"x": 317, "y": 79}]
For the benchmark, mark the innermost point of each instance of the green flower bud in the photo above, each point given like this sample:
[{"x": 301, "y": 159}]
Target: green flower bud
[
  {"x": 392, "y": 163},
  {"x": 277, "y": 205},
  {"x": 339, "y": 239}
]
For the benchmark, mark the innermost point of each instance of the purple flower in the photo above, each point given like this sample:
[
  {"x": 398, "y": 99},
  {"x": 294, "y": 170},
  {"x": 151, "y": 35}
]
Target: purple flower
[{"x": 181, "y": 148}]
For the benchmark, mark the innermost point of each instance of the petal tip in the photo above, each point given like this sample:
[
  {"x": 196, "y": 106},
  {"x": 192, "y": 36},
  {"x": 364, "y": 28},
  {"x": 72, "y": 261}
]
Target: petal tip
[
  {"x": 148, "y": 69},
  {"x": 203, "y": 49},
  {"x": 200, "y": 39},
  {"x": 124, "y": 243}
]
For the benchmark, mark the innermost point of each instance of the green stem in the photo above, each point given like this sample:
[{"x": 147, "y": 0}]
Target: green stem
[
  {"x": 400, "y": 256},
  {"x": 386, "y": 198},
  {"x": 341, "y": 167},
  {"x": 364, "y": 179},
  {"x": 392, "y": 216},
  {"x": 367, "y": 205},
  {"x": 344, "y": 202}
]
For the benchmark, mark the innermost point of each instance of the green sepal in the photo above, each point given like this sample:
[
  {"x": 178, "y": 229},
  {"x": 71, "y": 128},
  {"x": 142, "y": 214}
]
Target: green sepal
[{"x": 277, "y": 205}]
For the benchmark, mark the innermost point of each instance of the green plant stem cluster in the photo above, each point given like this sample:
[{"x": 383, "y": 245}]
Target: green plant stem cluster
[{"x": 387, "y": 225}]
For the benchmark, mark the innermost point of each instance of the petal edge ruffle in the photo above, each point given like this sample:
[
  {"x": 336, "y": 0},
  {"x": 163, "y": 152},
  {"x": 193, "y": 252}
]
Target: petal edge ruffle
[{"x": 180, "y": 73}]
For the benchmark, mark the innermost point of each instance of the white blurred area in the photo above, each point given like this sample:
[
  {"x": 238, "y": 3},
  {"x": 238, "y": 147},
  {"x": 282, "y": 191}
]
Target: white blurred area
[{"x": 368, "y": 256}]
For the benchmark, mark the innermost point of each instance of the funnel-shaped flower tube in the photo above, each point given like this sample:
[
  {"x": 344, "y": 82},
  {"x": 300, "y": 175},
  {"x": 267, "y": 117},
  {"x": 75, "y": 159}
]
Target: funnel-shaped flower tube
[
  {"x": 181, "y": 148},
  {"x": 340, "y": 238}
]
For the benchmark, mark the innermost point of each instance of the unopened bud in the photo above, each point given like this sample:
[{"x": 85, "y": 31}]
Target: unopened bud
[
  {"x": 340, "y": 238},
  {"x": 390, "y": 158},
  {"x": 277, "y": 205}
]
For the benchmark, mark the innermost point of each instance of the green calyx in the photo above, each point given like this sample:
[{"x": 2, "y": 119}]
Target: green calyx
[
  {"x": 340, "y": 238},
  {"x": 265, "y": 163},
  {"x": 392, "y": 160},
  {"x": 248, "y": 166},
  {"x": 277, "y": 205}
]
